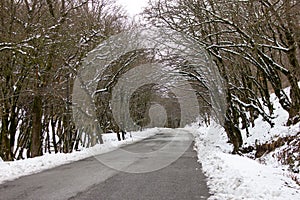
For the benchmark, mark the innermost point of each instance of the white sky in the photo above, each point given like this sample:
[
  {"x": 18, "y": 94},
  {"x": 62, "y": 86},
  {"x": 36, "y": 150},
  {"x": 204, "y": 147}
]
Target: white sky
[{"x": 133, "y": 6}]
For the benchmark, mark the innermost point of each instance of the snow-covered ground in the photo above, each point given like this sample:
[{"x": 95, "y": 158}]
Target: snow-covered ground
[
  {"x": 239, "y": 177},
  {"x": 16, "y": 169}
]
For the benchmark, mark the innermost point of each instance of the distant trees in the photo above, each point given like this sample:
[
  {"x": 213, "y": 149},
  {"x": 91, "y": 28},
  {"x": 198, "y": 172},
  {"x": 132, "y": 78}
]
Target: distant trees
[
  {"x": 255, "y": 45},
  {"x": 42, "y": 43}
]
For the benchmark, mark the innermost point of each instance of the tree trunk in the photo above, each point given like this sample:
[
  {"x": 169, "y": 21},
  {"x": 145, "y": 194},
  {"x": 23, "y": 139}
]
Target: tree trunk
[
  {"x": 36, "y": 137},
  {"x": 12, "y": 131},
  {"x": 4, "y": 143},
  {"x": 233, "y": 134},
  {"x": 53, "y": 125},
  {"x": 294, "y": 112}
]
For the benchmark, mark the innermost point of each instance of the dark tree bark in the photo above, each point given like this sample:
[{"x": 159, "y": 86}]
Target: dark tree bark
[{"x": 36, "y": 135}]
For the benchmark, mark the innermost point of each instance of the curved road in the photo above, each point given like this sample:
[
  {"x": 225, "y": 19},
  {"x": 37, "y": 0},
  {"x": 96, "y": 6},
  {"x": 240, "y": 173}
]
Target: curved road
[{"x": 160, "y": 167}]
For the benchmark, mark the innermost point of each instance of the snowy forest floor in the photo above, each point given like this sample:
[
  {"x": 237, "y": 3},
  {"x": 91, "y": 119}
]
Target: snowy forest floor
[{"x": 268, "y": 177}]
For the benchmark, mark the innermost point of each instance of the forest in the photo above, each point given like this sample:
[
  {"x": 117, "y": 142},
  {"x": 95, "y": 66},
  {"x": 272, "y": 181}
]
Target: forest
[{"x": 255, "y": 45}]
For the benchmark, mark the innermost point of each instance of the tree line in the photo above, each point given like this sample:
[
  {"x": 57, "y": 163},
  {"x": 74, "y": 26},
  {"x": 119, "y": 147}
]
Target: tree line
[
  {"x": 42, "y": 43},
  {"x": 256, "y": 46}
]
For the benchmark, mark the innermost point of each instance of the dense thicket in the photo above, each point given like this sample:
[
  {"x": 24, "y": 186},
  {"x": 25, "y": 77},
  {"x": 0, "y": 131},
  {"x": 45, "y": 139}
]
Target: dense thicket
[
  {"x": 42, "y": 43},
  {"x": 256, "y": 46}
]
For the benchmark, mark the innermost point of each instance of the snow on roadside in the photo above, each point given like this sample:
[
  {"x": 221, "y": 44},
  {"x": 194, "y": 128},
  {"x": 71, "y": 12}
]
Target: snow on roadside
[
  {"x": 235, "y": 177},
  {"x": 262, "y": 132},
  {"x": 16, "y": 169}
]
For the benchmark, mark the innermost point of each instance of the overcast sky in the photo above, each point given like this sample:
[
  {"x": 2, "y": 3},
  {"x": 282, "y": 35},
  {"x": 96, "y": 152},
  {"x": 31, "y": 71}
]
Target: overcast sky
[{"x": 133, "y": 6}]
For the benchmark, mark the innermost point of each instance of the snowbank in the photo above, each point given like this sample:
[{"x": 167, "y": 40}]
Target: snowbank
[
  {"x": 262, "y": 132},
  {"x": 16, "y": 169},
  {"x": 237, "y": 177}
]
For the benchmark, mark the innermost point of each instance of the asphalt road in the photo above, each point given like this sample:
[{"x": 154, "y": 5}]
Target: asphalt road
[{"x": 158, "y": 168}]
